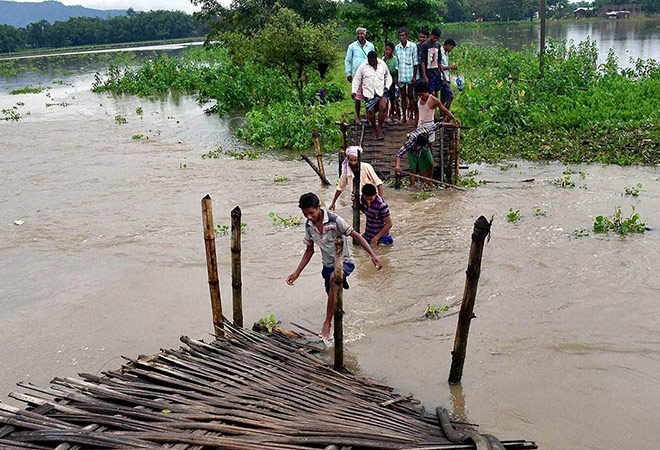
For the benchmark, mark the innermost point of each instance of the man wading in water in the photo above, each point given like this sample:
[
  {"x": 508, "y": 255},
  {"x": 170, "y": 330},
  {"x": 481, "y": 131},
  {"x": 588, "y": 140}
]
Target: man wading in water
[
  {"x": 322, "y": 228},
  {"x": 349, "y": 168}
]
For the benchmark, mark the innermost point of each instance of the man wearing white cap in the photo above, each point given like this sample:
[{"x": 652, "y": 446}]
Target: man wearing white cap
[
  {"x": 349, "y": 167},
  {"x": 356, "y": 55}
]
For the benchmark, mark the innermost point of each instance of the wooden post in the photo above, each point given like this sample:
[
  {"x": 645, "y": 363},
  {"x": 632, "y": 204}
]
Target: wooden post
[
  {"x": 457, "y": 153},
  {"x": 339, "y": 304},
  {"x": 236, "y": 283},
  {"x": 479, "y": 234},
  {"x": 356, "y": 196},
  {"x": 319, "y": 155},
  {"x": 542, "y": 39},
  {"x": 212, "y": 264},
  {"x": 442, "y": 154},
  {"x": 342, "y": 151},
  {"x": 324, "y": 180}
]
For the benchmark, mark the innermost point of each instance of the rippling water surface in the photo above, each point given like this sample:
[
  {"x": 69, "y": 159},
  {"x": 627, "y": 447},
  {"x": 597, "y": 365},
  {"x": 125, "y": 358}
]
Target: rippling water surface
[{"x": 109, "y": 261}]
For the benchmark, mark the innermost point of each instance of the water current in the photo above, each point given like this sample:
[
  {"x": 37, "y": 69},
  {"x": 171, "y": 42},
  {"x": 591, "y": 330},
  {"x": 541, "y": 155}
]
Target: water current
[{"x": 109, "y": 261}]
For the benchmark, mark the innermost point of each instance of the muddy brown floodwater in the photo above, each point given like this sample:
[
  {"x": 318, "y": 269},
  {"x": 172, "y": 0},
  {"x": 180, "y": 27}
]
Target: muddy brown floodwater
[{"x": 109, "y": 261}]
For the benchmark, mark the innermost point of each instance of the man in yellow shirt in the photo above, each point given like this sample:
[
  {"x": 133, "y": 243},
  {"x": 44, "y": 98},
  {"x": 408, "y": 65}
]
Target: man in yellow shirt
[{"x": 349, "y": 167}]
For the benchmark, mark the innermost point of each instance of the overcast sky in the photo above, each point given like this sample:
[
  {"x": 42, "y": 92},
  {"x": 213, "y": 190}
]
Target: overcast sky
[{"x": 140, "y": 5}]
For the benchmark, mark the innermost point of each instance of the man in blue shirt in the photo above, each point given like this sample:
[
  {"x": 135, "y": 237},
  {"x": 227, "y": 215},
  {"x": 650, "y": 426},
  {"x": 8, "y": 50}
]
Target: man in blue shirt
[{"x": 356, "y": 55}]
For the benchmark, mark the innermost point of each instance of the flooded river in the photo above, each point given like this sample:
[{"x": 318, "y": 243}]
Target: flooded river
[{"x": 109, "y": 261}]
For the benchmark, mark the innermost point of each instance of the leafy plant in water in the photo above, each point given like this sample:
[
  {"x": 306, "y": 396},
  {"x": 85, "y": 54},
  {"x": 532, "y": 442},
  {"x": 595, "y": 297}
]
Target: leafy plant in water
[
  {"x": 137, "y": 137},
  {"x": 433, "y": 312},
  {"x": 539, "y": 213},
  {"x": 246, "y": 153},
  {"x": 183, "y": 166},
  {"x": 139, "y": 111},
  {"x": 619, "y": 224},
  {"x": 270, "y": 322},
  {"x": 422, "y": 195},
  {"x": 212, "y": 154},
  {"x": 121, "y": 120},
  {"x": 564, "y": 182},
  {"x": 291, "y": 221},
  {"x": 280, "y": 178},
  {"x": 580, "y": 232},
  {"x": 10, "y": 115},
  {"x": 508, "y": 166},
  {"x": 221, "y": 230},
  {"x": 29, "y": 90},
  {"x": 513, "y": 216},
  {"x": 633, "y": 191}
]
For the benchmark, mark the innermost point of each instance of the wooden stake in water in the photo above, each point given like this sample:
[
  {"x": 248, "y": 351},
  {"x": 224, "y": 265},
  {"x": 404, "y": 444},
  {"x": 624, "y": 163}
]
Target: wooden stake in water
[
  {"x": 356, "y": 196},
  {"x": 236, "y": 282},
  {"x": 212, "y": 264},
  {"x": 479, "y": 234},
  {"x": 339, "y": 304},
  {"x": 342, "y": 150},
  {"x": 319, "y": 154}
]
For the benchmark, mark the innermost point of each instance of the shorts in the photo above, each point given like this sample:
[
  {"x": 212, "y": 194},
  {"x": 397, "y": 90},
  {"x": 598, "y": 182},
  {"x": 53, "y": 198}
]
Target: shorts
[
  {"x": 326, "y": 272},
  {"x": 372, "y": 103},
  {"x": 385, "y": 240},
  {"x": 435, "y": 83},
  {"x": 432, "y": 135},
  {"x": 358, "y": 94},
  {"x": 421, "y": 164},
  {"x": 446, "y": 93}
]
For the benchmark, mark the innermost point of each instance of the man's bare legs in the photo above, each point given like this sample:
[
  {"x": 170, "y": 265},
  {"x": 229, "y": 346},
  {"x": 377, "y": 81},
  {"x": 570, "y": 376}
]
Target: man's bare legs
[
  {"x": 382, "y": 113},
  {"x": 404, "y": 102},
  {"x": 330, "y": 310},
  {"x": 358, "y": 104}
]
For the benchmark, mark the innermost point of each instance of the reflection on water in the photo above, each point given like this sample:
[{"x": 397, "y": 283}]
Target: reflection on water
[
  {"x": 634, "y": 38},
  {"x": 110, "y": 261}
]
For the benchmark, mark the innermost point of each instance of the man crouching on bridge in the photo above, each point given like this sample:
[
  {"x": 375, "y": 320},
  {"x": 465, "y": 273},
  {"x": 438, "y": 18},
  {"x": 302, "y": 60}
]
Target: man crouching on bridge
[{"x": 322, "y": 228}]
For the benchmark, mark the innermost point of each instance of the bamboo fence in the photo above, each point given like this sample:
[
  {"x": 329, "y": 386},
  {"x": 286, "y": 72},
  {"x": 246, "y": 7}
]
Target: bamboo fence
[{"x": 244, "y": 390}]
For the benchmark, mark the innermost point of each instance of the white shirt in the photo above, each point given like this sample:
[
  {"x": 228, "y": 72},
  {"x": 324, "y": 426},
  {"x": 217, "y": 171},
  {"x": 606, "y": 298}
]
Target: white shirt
[{"x": 374, "y": 81}]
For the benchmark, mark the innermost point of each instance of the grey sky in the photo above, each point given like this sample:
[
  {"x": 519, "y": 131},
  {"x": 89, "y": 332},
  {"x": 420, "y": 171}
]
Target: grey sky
[{"x": 140, "y": 5}]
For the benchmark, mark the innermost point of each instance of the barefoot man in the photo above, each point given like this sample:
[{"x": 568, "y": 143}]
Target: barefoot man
[
  {"x": 356, "y": 55},
  {"x": 322, "y": 228},
  {"x": 374, "y": 77}
]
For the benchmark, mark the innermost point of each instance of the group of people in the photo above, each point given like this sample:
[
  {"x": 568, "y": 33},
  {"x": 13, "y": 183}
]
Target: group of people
[{"x": 419, "y": 75}]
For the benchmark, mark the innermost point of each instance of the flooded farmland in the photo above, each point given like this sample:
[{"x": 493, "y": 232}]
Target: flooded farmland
[{"x": 109, "y": 261}]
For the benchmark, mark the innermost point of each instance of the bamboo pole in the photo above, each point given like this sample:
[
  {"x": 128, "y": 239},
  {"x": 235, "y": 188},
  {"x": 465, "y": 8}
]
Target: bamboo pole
[
  {"x": 236, "y": 282},
  {"x": 212, "y": 264},
  {"x": 339, "y": 304},
  {"x": 431, "y": 180},
  {"x": 356, "y": 196},
  {"x": 457, "y": 153},
  {"x": 542, "y": 40},
  {"x": 479, "y": 234},
  {"x": 319, "y": 154},
  {"x": 324, "y": 180}
]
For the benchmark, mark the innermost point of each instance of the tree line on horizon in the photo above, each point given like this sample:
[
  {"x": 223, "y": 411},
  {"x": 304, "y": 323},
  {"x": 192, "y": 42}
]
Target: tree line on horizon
[{"x": 131, "y": 27}]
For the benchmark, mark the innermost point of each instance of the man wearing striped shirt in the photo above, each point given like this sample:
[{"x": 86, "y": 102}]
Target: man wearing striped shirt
[
  {"x": 379, "y": 221},
  {"x": 406, "y": 54}
]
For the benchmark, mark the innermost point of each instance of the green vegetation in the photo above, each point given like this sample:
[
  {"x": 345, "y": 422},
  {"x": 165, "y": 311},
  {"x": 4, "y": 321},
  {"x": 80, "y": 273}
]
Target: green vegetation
[
  {"x": 212, "y": 154},
  {"x": 633, "y": 191},
  {"x": 29, "y": 90},
  {"x": 11, "y": 114},
  {"x": 564, "y": 182},
  {"x": 120, "y": 120},
  {"x": 291, "y": 221},
  {"x": 619, "y": 224},
  {"x": 139, "y": 111},
  {"x": 580, "y": 232},
  {"x": 540, "y": 213},
  {"x": 223, "y": 230},
  {"x": 580, "y": 112},
  {"x": 280, "y": 178},
  {"x": 422, "y": 195},
  {"x": 138, "y": 137},
  {"x": 434, "y": 312},
  {"x": 134, "y": 26},
  {"x": 270, "y": 322},
  {"x": 513, "y": 216},
  {"x": 246, "y": 153},
  {"x": 183, "y": 166}
]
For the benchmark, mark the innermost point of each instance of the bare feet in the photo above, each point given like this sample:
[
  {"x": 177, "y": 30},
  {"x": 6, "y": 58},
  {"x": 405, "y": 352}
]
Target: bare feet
[
  {"x": 325, "y": 332},
  {"x": 358, "y": 121},
  {"x": 380, "y": 134},
  {"x": 375, "y": 134}
]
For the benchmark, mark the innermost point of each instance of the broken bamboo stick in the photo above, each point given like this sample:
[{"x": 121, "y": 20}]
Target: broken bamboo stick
[
  {"x": 324, "y": 180},
  {"x": 212, "y": 264},
  {"x": 479, "y": 234},
  {"x": 319, "y": 154},
  {"x": 339, "y": 304},
  {"x": 356, "y": 196},
  {"x": 431, "y": 180},
  {"x": 236, "y": 282}
]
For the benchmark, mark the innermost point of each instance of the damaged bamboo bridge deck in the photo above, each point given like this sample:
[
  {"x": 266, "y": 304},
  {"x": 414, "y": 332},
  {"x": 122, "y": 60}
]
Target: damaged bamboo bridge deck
[{"x": 244, "y": 390}]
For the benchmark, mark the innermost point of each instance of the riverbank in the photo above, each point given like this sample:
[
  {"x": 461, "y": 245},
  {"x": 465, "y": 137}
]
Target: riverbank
[
  {"x": 580, "y": 112},
  {"x": 84, "y": 48},
  {"x": 449, "y": 26}
]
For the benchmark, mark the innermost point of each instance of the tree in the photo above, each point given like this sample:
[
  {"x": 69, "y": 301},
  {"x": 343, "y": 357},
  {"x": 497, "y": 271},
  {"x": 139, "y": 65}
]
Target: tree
[
  {"x": 384, "y": 16},
  {"x": 289, "y": 43}
]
